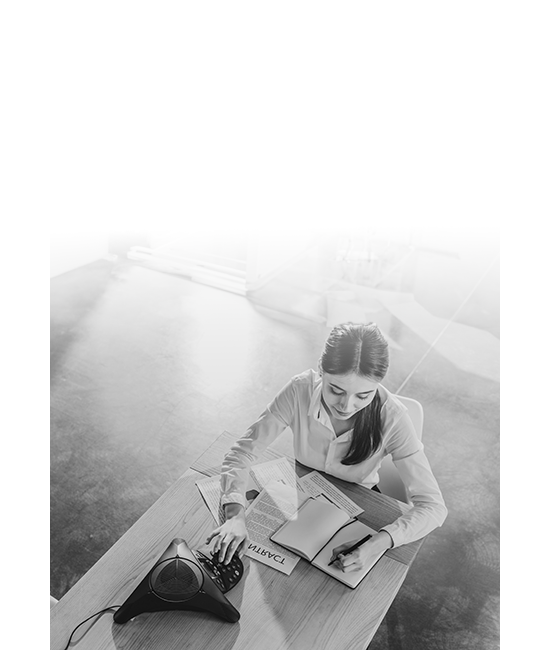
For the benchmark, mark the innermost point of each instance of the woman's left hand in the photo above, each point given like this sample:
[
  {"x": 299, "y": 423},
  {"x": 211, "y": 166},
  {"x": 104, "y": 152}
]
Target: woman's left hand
[{"x": 362, "y": 556}]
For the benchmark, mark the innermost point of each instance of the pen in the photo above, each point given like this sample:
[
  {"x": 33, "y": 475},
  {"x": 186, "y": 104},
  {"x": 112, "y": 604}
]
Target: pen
[{"x": 351, "y": 548}]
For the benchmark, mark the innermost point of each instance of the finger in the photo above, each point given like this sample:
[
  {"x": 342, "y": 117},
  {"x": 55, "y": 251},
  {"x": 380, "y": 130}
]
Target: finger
[
  {"x": 347, "y": 560},
  {"x": 210, "y": 537},
  {"x": 224, "y": 547},
  {"x": 339, "y": 549},
  {"x": 213, "y": 534},
  {"x": 351, "y": 567},
  {"x": 232, "y": 549},
  {"x": 223, "y": 555},
  {"x": 229, "y": 553},
  {"x": 217, "y": 545}
]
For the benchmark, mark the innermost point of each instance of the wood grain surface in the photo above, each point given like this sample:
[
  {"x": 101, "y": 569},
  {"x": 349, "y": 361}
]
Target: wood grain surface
[{"x": 306, "y": 610}]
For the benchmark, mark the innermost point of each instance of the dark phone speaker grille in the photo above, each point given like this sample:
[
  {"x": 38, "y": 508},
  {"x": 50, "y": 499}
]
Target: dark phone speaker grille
[{"x": 176, "y": 580}]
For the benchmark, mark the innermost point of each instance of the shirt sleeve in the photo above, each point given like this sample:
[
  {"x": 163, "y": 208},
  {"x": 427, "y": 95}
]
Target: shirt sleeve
[
  {"x": 271, "y": 423},
  {"x": 429, "y": 510}
]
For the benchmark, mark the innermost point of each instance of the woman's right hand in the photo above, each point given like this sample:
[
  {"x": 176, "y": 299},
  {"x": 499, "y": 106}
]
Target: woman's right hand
[{"x": 231, "y": 537}]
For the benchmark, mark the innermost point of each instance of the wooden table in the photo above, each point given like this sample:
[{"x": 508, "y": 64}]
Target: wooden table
[{"x": 307, "y": 609}]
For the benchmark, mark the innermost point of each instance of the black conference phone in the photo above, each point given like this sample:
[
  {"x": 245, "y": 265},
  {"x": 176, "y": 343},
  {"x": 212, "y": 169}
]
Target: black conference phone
[
  {"x": 184, "y": 579},
  {"x": 225, "y": 576}
]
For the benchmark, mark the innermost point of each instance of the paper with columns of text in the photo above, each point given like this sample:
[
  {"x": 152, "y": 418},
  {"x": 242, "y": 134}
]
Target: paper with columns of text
[
  {"x": 315, "y": 484},
  {"x": 275, "y": 504}
]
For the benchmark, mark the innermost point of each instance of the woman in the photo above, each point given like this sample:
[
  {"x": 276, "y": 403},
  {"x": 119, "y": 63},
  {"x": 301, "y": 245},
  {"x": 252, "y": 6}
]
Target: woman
[{"x": 344, "y": 422}]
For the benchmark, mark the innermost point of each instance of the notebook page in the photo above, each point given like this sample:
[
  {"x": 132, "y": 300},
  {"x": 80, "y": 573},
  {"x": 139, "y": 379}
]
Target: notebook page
[
  {"x": 352, "y": 532},
  {"x": 310, "y": 528}
]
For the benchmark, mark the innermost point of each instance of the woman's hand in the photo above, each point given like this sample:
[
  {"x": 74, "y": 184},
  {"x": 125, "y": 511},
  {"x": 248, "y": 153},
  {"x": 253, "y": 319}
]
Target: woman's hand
[
  {"x": 231, "y": 537},
  {"x": 362, "y": 556}
]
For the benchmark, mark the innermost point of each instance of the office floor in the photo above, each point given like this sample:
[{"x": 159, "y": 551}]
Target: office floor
[{"x": 148, "y": 368}]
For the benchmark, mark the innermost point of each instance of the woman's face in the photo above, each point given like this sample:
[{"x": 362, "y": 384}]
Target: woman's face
[{"x": 346, "y": 395}]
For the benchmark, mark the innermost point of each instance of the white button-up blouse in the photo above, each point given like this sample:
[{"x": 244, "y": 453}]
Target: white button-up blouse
[{"x": 298, "y": 406}]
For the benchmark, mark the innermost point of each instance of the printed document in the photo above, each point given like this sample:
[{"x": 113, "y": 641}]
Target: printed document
[
  {"x": 315, "y": 484},
  {"x": 275, "y": 504},
  {"x": 259, "y": 476},
  {"x": 273, "y": 495}
]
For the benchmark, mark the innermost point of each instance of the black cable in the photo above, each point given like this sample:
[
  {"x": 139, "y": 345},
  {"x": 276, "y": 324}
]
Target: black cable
[{"x": 87, "y": 619}]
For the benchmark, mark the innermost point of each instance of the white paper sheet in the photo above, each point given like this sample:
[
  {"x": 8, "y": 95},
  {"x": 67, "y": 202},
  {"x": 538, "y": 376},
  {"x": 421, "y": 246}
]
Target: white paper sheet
[
  {"x": 315, "y": 484},
  {"x": 259, "y": 476},
  {"x": 275, "y": 470},
  {"x": 211, "y": 492}
]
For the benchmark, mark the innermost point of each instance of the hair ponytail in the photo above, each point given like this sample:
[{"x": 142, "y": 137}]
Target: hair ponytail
[{"x": 367, "y": 433}]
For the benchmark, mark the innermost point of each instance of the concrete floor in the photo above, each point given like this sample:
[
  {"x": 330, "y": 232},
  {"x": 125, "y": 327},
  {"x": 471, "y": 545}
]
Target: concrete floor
[{"x": 148, "y": 368}]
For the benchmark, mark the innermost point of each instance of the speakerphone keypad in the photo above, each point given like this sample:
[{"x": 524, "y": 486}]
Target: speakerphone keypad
[{"x": 225, "y": 576}]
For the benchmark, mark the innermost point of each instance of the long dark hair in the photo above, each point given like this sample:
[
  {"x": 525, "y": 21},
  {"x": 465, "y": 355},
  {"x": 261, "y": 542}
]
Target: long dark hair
[{"x": 359, "y": 348}]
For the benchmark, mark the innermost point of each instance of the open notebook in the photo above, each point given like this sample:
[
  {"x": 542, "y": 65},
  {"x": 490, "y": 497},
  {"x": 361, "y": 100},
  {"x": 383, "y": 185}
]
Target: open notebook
[{"x": 319, "y": 526}]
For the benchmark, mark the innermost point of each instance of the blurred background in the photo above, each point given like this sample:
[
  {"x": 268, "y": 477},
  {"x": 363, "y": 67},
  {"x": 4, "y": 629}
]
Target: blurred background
[{"x": 162, "y": 340}]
